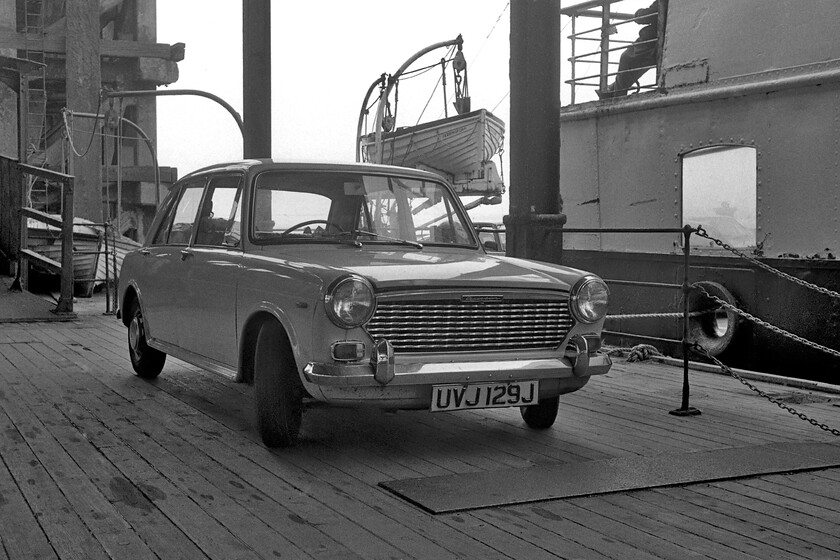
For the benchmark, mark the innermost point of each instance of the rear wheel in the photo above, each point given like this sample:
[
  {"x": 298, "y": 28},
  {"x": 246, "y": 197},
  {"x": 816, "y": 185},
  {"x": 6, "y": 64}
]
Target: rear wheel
[
  {"x": 541, "y": 415},
  {"x": 146, "y": 361},
  {"x": 278, "y": 393}
]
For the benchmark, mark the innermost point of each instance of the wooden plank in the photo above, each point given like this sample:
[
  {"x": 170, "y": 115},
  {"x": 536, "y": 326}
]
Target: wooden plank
[
  {"x": 745, "y": 522},
  {"x": 75, "y": 382},
  {"x": 818, "y": 536},
  {"x": 663, "y": 508},
  {"x": 42, "y": 260},
  {"x": 708, "y": 522},
  {"x": 20, "y": 533},
  {"x": 61, "y": 523},
  {"x": 131, "y": 503},
  {"x": 37, "y": 420}
]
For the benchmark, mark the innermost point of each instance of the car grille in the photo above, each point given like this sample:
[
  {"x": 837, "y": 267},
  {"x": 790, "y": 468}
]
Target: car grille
[{"x": 462, "y": 326}]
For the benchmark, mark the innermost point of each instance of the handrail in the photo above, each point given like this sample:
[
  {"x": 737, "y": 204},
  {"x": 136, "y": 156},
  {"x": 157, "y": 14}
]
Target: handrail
[{"x": 65, "y": 268}]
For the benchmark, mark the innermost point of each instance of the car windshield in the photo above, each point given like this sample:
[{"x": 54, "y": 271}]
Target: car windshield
[{"x": 336, "y": 207}]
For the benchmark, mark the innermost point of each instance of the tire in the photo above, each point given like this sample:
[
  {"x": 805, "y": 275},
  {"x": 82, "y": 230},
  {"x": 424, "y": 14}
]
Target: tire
[
  {"x": 542, "y": 415},
  {"x": 146, "y": 361},
  {"x": 278, "y": 392}
]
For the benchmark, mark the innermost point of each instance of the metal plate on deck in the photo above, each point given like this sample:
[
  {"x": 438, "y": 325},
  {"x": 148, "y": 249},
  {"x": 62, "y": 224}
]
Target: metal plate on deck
[{"x": 459, "y": 492}]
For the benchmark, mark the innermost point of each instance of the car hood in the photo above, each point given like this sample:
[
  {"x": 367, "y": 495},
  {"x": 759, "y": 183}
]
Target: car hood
[{"x": 398, "y": 268}]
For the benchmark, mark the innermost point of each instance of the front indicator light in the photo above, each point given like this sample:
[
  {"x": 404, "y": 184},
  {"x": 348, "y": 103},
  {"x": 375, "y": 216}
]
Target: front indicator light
[{"x": 349, "y": 351}]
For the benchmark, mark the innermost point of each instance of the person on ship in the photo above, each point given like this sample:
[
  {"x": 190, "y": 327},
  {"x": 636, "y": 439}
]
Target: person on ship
[{"x": 640, "y": 55}]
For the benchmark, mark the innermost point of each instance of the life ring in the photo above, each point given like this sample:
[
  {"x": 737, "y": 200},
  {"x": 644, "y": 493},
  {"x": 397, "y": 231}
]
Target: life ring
[{"x": 714, "y": 327}]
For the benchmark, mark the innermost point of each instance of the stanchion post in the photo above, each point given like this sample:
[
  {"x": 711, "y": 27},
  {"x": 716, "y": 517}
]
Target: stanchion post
[
  {"x": 65, "y": 301},
  {"x": 685, "y": 409}
]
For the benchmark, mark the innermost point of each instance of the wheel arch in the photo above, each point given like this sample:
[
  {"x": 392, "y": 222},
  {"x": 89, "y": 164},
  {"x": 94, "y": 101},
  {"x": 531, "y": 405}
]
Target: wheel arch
[
  {"x": 248, "y": 341},
  {"x": 130, "y": 295}
]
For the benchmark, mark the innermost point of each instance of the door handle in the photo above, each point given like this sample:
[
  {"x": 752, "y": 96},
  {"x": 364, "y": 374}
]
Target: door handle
[
  {"x": 185, "y": 253},
  {"x": 145, "y": 252}
]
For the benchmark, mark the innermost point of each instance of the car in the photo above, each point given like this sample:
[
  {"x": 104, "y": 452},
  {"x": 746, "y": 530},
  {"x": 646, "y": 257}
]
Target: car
[
  {"x": 353, "y": 284},
  {"x": 492, "y": 237}
]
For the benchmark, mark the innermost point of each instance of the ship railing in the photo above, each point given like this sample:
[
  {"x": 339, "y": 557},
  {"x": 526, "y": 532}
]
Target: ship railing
[{"x": 601, "y": 45}]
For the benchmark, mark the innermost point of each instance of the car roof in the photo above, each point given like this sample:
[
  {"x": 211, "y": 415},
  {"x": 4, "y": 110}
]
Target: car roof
[{"x": 304, "y": 165}]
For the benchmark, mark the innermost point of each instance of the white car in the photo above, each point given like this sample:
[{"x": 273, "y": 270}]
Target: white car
[{"x": 353, "y": 284}]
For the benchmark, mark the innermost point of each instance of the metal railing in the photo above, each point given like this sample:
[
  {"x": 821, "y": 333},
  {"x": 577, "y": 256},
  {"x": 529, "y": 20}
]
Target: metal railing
[
  {"x": 685, "y": 287},
  {"x": 606, "y": 50},
  {"x": 65, "y": 267}
]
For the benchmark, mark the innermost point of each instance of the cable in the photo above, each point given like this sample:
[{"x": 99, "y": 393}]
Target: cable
[{"x": 92, "y": 133}]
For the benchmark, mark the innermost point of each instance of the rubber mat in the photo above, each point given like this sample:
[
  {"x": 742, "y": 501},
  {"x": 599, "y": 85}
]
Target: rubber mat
[{"x": 459, "y": 492}]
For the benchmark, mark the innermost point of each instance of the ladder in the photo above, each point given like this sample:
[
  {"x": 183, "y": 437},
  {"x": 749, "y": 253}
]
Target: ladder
[{"x": 34, "y": 152}]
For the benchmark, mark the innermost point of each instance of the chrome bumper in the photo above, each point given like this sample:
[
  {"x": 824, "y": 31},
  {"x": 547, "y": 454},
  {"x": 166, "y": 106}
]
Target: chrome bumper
[{"x": 395, "y": 373}]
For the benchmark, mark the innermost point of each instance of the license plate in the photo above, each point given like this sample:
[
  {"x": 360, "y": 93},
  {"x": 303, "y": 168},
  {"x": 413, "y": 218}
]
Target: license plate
[{"x": 484, "y": 395}]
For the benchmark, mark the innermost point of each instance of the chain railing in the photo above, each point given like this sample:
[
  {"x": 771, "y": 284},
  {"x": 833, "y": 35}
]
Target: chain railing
[
  {"x": 702, "y": 233},
  {"x": 644, "y": 353},
  {"x": 769, "y": 326},
  {"x": 699, "y": 349},
  {"x": 784, "y": 406}
]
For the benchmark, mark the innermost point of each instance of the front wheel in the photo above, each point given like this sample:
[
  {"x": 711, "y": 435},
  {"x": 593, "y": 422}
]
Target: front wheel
[
  {"x": 278, "y": 393},
  {"x": 146, "y": 361},
  {"x": 542, "y": 415}
]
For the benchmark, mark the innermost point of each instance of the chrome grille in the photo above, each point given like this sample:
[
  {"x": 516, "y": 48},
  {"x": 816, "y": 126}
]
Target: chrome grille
[{"x": 459, "y": 326}]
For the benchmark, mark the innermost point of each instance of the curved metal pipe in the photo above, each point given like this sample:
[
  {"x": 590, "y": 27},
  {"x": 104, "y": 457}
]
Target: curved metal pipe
[
  {"x": 200, "y": 93},
  {"x": 149, "y": 142},
  {"x": 362, "y": 112}
]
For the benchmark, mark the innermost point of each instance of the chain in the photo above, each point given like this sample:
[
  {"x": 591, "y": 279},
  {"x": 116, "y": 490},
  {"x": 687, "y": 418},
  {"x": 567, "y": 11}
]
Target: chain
[
  {"x": 726, "y": 369},
  {"x": 773, "y": 328},
  {"x": 702, "y": 233}
]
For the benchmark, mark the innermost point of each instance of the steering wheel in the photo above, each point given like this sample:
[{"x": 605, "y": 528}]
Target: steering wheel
[{"x": 328, "y": 224}]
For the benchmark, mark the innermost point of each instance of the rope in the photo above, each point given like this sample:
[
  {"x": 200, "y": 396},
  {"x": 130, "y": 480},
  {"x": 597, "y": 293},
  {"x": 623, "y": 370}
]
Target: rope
[
  {"x": 660, "y": 315},
  {"x": 638, "y": 353}
]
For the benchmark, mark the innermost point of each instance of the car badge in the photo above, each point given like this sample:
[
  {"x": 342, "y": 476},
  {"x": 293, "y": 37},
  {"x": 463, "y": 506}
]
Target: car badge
[{"x": 482, "y": 298}]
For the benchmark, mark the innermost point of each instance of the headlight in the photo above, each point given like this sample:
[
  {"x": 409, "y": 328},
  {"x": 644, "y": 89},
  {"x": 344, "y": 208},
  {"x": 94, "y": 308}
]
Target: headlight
[
  {"x": 588, "y": 299},
  {"x": 350, "y": 302}
]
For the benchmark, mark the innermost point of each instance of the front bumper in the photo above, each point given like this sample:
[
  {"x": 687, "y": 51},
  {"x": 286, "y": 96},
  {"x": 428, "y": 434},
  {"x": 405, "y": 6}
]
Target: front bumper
[
  {"x": 580, "y": 359},
  {"x": 433, "y": 373}
]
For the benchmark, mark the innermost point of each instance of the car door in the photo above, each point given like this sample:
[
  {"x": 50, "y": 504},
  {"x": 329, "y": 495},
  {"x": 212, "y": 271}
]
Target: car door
[
  {"x": 161, "y": 284},
  {"x": 211, "y": 270}
]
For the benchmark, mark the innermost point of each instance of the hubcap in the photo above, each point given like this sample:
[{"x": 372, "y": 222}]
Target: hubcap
[{"x": 135, "y": 328}]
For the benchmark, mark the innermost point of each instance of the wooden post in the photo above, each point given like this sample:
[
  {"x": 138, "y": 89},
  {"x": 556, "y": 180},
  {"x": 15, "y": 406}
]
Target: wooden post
[
  {"x": 84, "y": 78},
  {"x": 65, "y": 300}
]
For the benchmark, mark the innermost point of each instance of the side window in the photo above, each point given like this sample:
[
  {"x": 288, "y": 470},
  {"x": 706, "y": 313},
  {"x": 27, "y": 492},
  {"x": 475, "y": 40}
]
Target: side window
[
  {"x": 186, "y": 210},
  {"x": 216, "y": 222},
  {"x": 719, "y": 193}
]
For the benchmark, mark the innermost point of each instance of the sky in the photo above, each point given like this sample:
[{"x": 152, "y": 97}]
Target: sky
[{"x": 325, "y": 54}]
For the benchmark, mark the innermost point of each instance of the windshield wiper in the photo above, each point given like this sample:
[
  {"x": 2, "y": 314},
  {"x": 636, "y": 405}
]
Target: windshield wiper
[{"x": 356, "y": 232}]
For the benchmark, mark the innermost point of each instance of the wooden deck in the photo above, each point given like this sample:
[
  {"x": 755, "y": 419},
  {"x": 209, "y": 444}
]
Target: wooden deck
[{"x": 96, "y": 463}]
